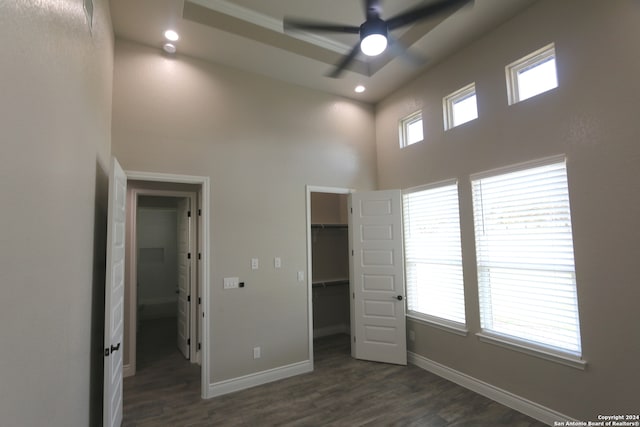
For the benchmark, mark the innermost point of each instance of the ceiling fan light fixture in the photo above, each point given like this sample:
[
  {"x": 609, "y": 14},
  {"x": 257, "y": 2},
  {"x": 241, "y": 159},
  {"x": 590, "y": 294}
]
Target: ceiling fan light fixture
[
  {"x": 373, "y": 37},
  {"x": 171, "y": 35}
]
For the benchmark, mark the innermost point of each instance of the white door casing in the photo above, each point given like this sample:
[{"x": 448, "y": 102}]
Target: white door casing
[
  {"x": 114, "y": 297},
  {"x": 377, "y": 276},
  {"x": 184, "y": 276}
]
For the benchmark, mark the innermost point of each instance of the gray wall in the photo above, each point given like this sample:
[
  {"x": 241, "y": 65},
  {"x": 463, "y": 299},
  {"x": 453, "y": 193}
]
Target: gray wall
[
  {"x": 55, "y": 138},
  {"x": 260, "y": 142},
  {"x": 592, "y": 117},
  {"x": 157, "y": 239}
]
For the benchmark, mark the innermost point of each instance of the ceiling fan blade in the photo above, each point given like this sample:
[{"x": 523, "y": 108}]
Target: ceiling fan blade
[
  {"x": 424, "y": 12},
  {"x": 290, "y": 24},
  {"x": 372, "y": 8},
  {"x": 344, "y": 62}
]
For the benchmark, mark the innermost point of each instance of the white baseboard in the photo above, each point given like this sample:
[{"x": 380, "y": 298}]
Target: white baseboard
[
  {"x": 258, "y": 378},
  {"x": 508, "y": 399},
  {"x": 331, "y": 330},
  {"x": 128, "y": 370}
]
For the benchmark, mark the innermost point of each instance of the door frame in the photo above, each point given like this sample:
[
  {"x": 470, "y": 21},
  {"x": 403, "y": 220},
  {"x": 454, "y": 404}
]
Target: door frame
[
  {"x": 203, "y": 261},
  {"x": 132, "y": 243},
  {"x": 318, "y": 189}
]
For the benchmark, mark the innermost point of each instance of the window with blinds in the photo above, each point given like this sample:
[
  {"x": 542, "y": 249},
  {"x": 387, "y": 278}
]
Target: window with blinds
[
  {"x": 433, "y": 254},
  {"x": 524, "y": 247}
]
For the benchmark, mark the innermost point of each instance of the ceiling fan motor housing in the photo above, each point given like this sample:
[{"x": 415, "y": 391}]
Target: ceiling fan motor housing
[{"x": 373, "y": 28}]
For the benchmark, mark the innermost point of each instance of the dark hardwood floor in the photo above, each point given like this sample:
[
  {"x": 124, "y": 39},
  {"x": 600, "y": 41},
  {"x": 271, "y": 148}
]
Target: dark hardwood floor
[{"x": 340, "y": 392}]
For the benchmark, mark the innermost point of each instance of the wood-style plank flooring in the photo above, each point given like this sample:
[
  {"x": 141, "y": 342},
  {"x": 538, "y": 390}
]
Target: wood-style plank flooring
[{"x": 340, "y": 392}]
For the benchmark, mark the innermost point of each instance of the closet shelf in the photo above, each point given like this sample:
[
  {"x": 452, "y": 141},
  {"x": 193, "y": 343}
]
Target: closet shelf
[{"x": 330, "y": 283}]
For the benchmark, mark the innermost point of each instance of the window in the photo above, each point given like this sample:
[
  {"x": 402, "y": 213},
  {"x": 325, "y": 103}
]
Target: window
[
  {"x": 524, "y": 246},
  {"x": 433, "y": 255},
  {"x": 532, "y": 75},
  {"x": 411, "y": 129},
  {"x": 460, "y": 107}
]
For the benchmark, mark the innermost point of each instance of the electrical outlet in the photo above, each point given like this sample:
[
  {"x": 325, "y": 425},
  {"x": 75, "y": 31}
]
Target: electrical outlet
[
  {"x": 300, "y": 276},
  {"x": 255, "y": 263},
  {"x": 256, "y": 352},
  {"x": 231, "y": 282}
]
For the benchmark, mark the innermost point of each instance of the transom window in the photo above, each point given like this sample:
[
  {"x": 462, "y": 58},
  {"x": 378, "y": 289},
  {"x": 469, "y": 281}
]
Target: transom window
[
  {"x": 524, "y": 250},
  {"x": 433, "y": 255},
  {"x": 460, "y": 107},
  {"x": 532, "y": 75},
  {"x": 411, "y": 130}
]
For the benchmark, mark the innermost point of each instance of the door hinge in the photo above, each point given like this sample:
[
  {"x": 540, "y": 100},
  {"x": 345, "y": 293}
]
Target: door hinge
[
  {"x": 199, "y": 300},
  {"x": 189, "y": 255},
  {"x": 199, "y": 212},
  {"x": 354, "y": 338},
  {"x": 188, "y": 214},
  {"x": 199, "y": 346},
  {"x": 352, "y": 253},
  {"x": 351, "y": 209},
  {"x": 188, "y": 298},
  {"x": 188, "y": 341},
  {"x": 199, "y": 255},
  {"x": 354, "y": 295}
]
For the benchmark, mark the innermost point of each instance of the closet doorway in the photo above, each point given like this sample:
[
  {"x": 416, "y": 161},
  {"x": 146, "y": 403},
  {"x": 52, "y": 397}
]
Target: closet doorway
[
  {"x": 163, "y": 279},
  {"x": 329, "y": 263}
]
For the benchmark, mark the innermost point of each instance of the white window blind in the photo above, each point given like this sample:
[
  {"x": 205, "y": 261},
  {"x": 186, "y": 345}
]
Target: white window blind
[
  {"x": 432, "y": 253},
  {"x": 524, "y": 245}
]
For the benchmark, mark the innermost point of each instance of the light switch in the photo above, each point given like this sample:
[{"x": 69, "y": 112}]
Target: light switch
[
  {"x": 254, "y": 263},
  {"x": 277, "y": 262},
  {"x": 300, "y": 276}
]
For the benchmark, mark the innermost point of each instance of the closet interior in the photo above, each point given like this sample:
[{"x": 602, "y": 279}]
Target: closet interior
[{"x": 330, "y": 264}]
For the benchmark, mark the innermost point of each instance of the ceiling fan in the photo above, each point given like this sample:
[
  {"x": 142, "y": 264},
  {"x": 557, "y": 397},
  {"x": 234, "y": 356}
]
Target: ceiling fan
[{"x": 374, "y": 31}]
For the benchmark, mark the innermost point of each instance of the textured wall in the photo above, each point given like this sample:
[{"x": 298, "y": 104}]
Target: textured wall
[
  {"x": 55, "y": 132},
  {"x": 592, "y": 117},
  {"x": 260, "y": 142}
]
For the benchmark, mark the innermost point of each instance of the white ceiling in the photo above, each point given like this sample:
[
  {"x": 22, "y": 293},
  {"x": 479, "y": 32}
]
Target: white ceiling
[{"x": 247, "y": 34}]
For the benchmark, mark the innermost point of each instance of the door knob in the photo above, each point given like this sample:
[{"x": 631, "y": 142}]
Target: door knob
[
  {"x": 115, "y": 347},
  {"x": 399, "y": 297}
]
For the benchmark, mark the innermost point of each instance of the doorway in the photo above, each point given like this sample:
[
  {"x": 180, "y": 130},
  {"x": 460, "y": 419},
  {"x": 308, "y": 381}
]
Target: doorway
[
  {"x": 330, "y": 305},
  {"x": 169, "y": 194},
  {"x": 165, "y": 238}
]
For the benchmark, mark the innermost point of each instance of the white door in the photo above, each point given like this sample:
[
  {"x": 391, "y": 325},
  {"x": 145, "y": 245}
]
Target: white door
[
  {"x": 114, "y": 297},
  {"x": 377, "y": 277},
  {"x": 184, "y": 275}
]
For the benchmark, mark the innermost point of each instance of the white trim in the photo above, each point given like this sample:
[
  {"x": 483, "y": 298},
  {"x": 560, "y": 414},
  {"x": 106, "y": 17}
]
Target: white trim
[
  {"x": 404, "y": 124},
  {"x": 545, "y": 161},
  {"x": 443, "y": 183},
  {"x": 128, "y": 370},
  {"x": 314, "y": 189},
  {"x": 258, "y": 378},
  {"x": 450, "y": 100},
  {"x": 270, "y": 23},
  {"x": 158, "y": 300},
  {"x": 504, "y": 397},
  {"x": 532, "y": 350},
  {"x": 204, "y": 265},
  {"x": 442, "y": 324},
  {"x": 529, "y": 61}
]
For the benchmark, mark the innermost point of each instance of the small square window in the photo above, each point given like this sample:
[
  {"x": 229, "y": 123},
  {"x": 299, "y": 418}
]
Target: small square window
[
  {"x": 411, "y": 129},
  {"x": 460, "y": 107},
  {"x": 532, "y": 75}
]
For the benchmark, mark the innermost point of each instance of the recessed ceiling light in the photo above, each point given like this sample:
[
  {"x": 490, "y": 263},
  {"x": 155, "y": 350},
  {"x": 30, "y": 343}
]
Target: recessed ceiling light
[
  {"x": 169, "y": 48},
  {"x": 171, "y": 35},
  {"x": 360, "y": 89}
]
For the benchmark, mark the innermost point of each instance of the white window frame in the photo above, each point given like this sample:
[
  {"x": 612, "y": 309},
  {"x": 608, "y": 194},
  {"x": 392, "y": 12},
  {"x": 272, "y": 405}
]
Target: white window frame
[
  {"x": 498, "y": 337},
  {"x": 451, "y": 259},
  {"x": 532, "y": 60},
  {"x": 449, "y": 102},
  {"x": 407, "y": 121}
]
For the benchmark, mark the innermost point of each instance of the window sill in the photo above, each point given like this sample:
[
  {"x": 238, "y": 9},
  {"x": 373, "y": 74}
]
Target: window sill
[
  {"x": 445, "y": 325},
  {"x": 532, "y": 350}
]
